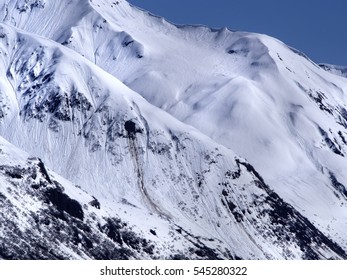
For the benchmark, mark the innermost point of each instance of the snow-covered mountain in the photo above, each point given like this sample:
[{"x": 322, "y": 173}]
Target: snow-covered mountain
[{"x": 169, "y": 141}]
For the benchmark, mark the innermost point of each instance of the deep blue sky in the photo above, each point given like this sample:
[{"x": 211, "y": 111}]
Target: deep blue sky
[{"x": 316, "y": 27}]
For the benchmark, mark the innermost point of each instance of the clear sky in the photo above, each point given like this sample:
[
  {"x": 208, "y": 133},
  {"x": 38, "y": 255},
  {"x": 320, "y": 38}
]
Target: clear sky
[{"x": 316, "y": 27}]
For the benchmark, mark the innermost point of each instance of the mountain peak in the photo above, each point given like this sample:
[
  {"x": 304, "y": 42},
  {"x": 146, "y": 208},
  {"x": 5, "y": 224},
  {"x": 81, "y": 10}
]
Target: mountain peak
[{"x": 170, "y": 141}]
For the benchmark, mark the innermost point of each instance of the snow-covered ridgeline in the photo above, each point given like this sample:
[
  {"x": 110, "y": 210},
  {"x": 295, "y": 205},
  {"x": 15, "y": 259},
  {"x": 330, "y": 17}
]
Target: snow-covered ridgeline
[{"x": 71, "y": 105}]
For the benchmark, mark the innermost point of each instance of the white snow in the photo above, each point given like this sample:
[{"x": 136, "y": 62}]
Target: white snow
[{"x": 244, "y": 94}]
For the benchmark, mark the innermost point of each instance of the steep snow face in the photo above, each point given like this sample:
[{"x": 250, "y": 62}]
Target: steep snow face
[
  {"x": 134, "y": 158},
  {"x": 196, "y": 73},
  {"x": 71, "y": 105},
  {"x": 49, "y": 18},
  {"x": 44, "y": 216}
]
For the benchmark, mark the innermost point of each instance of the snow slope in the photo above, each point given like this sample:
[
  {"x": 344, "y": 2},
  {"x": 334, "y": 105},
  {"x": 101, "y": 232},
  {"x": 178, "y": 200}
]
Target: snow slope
[
  {"x": 73, "y": 73},
  {"x": 44, "y": 216}
]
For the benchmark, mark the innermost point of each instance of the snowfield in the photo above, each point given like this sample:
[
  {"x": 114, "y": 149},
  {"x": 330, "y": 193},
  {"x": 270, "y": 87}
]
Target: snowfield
[{"x": 170, "y": 141}]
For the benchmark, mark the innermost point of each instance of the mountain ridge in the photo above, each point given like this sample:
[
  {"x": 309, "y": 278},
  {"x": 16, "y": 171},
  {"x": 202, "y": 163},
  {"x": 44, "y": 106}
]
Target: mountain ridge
[{"x": 219, "y": 137}]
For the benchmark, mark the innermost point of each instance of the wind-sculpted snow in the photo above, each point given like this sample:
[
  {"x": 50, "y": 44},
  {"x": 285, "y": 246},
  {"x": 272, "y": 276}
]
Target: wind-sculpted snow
[
  {"x": 334, "y": 69},
  {"x": 185, "y": 141}
]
